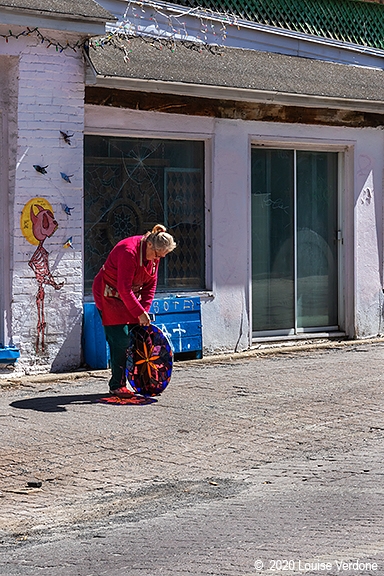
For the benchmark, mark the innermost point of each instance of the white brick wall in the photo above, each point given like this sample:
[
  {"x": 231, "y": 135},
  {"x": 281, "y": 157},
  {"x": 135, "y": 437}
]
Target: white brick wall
[{"x": 49, "y": 98}]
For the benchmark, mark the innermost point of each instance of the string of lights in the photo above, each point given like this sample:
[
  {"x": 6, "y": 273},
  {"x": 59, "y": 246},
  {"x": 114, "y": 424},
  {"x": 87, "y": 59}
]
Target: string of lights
[
  {"x": 164, "y": 25},
  {"x": 43, "y": 39},
  {"x": 175, "y": 17},
  {"x": 160, "y": 24}
]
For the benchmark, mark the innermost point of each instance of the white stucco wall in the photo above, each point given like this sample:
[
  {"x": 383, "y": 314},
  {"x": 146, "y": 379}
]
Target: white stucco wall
[
  {"x": 47, "y": 96},
  {"x": 226, "y": 304},
  {"x": 228, "y": 313},
  {"x": 8, "y": 138},
  {"x": 369, "y": 236}
]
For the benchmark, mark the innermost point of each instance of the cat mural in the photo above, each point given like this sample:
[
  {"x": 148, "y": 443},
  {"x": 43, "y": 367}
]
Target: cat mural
[{"x": 44, "y": 226}]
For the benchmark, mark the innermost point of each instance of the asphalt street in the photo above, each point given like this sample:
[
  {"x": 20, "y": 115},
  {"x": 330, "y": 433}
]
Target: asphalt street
[{"x": 269, "y": 464}]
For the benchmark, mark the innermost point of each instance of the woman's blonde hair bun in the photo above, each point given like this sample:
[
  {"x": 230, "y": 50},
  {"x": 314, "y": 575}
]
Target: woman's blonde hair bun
[
  {"x": 160, "y": 238},
  {"x": 158, "y": 228}
]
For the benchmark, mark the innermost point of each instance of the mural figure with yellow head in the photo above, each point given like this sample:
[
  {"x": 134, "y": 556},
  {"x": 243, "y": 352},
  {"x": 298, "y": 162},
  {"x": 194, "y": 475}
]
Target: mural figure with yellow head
[{"x": 41, "y": 225}]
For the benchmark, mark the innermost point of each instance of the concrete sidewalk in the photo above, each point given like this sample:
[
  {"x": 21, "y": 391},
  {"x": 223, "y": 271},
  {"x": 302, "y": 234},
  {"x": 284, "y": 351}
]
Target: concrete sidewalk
[{"x": 223, "y": 430}]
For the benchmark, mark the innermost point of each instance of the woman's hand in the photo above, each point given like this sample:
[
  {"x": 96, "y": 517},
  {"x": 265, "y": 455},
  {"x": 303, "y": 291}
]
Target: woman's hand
[{"x": 144, "y": 319}]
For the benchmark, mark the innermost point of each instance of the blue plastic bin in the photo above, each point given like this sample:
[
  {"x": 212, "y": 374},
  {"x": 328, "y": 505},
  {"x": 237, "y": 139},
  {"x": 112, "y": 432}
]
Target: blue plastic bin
[
  {"x": 180, "y": 320},
  {"x": 95, "y": 347},
  {"x": 9, "y": 354},
  {"x": 178, "y": 317}
]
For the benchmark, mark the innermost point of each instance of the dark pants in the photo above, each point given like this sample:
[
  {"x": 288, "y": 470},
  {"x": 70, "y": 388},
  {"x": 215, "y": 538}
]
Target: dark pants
[{"x": 118, "y": 339}]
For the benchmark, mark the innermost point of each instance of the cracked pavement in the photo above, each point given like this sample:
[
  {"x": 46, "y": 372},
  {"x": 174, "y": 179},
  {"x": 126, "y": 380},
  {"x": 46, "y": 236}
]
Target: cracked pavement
[{"x": 261, "y": 458}]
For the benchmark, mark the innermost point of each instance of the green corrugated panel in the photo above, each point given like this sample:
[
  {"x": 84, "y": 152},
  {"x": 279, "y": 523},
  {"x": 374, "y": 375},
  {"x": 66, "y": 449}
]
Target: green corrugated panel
[{"x": 345, "y": 20}]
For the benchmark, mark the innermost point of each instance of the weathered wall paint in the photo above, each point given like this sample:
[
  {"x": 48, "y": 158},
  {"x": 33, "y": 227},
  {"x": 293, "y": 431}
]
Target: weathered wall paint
[
  {"x": 36, "y": 117},
  {"x": 8, "y": 144},
  {"x": 369, "y": 247}
]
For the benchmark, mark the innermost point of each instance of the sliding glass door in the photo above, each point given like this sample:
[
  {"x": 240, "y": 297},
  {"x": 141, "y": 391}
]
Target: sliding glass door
[{"x": 294, "y": 241}]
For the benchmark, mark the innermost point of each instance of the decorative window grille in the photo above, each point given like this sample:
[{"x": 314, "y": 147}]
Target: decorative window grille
[
  {"x": 131, "y": 184},
  {"x": 351, "y": 21}
]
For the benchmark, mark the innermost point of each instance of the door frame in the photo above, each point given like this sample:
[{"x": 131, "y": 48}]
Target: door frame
[{"x": 346, "y": 278}]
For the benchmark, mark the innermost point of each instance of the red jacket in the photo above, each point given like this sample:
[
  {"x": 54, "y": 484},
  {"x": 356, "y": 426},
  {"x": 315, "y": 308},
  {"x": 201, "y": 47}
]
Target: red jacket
[{"x": 125, "y": 286}]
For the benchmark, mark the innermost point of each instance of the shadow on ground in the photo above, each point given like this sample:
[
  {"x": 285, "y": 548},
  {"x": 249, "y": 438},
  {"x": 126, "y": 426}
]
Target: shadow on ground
[{"x": 59, "y": 403}]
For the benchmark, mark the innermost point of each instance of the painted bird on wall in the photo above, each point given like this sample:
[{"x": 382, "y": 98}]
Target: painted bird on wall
[
  {"x": 67, "y": 137},
  {"x": 40, "y": 169}
]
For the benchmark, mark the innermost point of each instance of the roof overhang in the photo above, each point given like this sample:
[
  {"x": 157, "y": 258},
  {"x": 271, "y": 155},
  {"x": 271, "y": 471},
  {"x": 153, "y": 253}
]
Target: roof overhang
[
  {"x": 232, "y": 93},
  {"x": 234, "y": 74}
]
